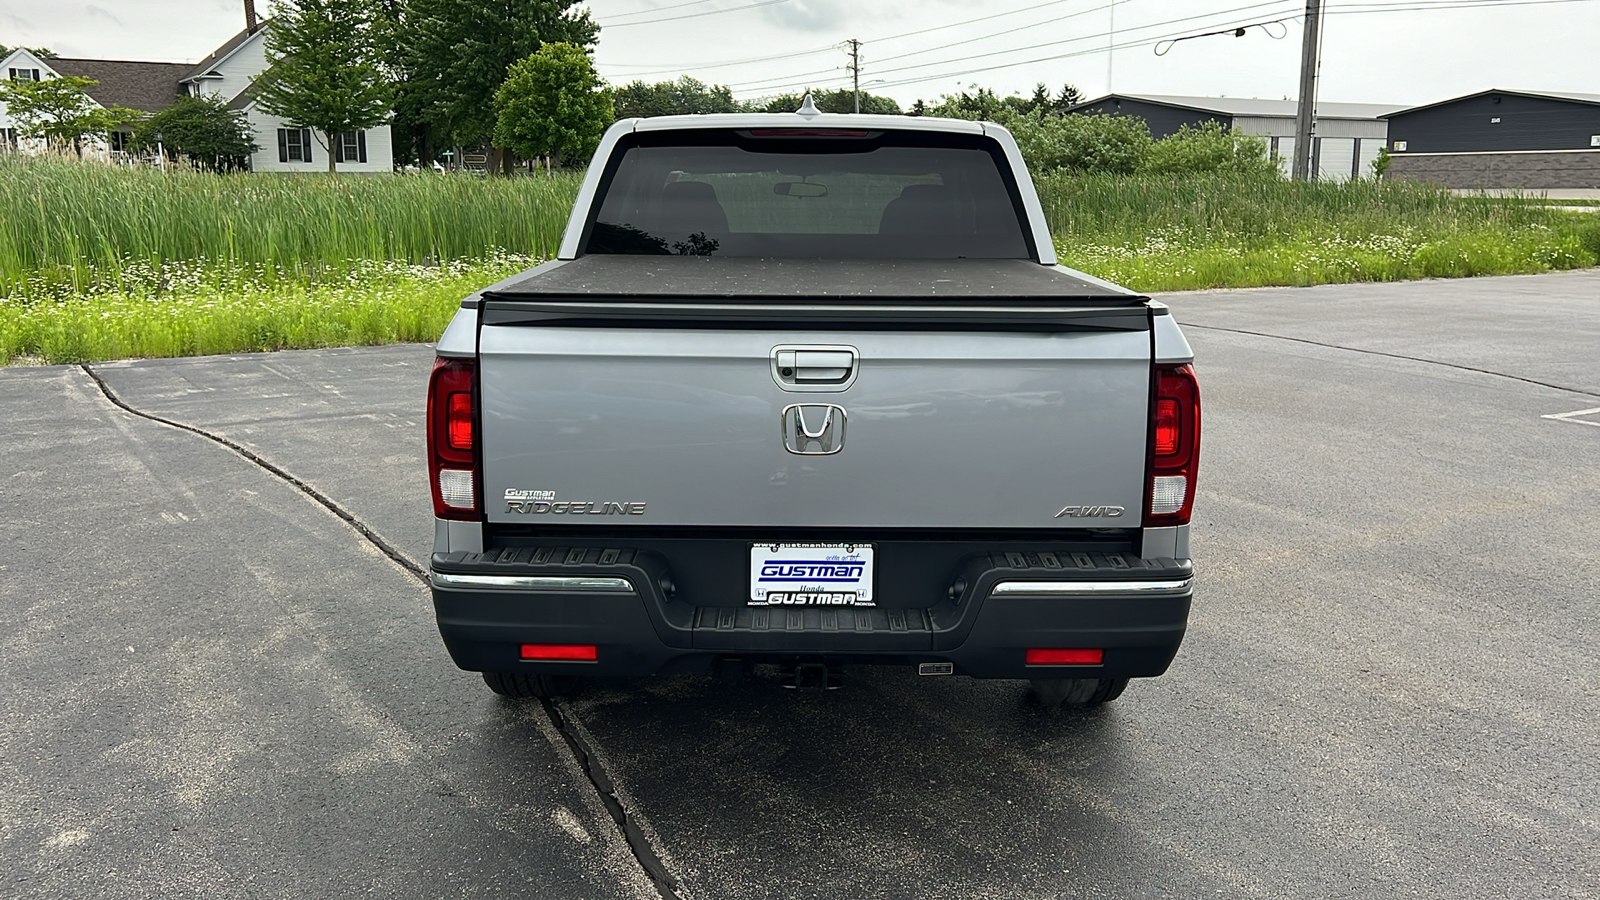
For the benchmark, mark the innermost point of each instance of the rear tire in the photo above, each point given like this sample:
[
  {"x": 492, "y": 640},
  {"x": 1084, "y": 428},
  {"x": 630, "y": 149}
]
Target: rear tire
[
  {"x": 1077, "y": 693},
  {"x": 528, "y": 686}
]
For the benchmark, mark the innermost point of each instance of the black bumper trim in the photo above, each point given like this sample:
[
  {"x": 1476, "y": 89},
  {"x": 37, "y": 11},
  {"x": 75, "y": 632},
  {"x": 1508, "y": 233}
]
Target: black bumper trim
[{"x": 1134, "y": 609}]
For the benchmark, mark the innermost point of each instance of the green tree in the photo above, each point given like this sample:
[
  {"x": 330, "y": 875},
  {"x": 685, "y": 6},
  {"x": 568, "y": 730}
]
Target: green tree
[
  {"x": 553, "y": 104},
  {"x": 201, "y": 128},
  {"x": 1380, "y": 163},
  {"x": 684, "y": 97},
  {"x": 1210, "y": 149},
  {"x": 324, "y": 71},
  {"x": 842, "y": 100},
  {"x": 60, "y": 110},
  {"x": 453, "y": 56},
  {"x": 41, "y": 52},
  {"x": 1080, "y": 143},
  {"x": 983, "y": 103}
]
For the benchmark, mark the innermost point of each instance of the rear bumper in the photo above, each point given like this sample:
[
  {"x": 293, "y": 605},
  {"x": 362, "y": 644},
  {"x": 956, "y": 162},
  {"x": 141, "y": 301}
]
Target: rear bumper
[{"x": 996, "y": 606}]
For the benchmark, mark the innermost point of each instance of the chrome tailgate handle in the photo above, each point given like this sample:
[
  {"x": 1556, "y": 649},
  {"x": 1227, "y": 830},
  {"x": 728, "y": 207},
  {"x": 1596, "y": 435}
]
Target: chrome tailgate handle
[{"x": 815, "y": 367}]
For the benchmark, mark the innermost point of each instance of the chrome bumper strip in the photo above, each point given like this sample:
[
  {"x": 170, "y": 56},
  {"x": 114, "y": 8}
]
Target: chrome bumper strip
[
  {"x": 581, "y": 584},
  {"x": 1079, "y": 589}
]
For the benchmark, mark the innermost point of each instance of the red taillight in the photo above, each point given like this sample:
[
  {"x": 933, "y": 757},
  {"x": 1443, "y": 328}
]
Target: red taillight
[
  {"x": 569, "y": 652},
  {"x": 1055, "y": 656},
  {"x": 459, "y": 423},
  {"x": 452, "y": 450},
  {"x": 1174, "y": 447},
  {"x": 1167, "y": 427}
]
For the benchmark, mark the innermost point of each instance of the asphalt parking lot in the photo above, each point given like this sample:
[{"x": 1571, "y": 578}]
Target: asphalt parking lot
[{"x": 215, "y": 687}]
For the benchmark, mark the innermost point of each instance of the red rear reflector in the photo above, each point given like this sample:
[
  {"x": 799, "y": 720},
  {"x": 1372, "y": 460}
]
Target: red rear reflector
[
  {"x": 1058, "y": 657},
  {"x": 579, "y": 652},
  {"x": 1167, "y": 427},
  {"x": 460, "y": 421}
]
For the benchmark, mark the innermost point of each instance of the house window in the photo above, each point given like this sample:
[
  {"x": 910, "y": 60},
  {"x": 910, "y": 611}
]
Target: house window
[
  {"x": 24, "y": 74},
  {"x": 119, "y": 141},
  {"x": 351, "y": 147},
  {"x": 294, "y": 145},
  {"x": 8, "y": 139},
  {"x": 1399, "y": 146}
]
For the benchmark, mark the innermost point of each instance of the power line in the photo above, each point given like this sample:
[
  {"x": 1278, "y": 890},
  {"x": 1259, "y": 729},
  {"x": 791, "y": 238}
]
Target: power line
[
  {"x": 657, "y": 68},
  {"x": 1372, "y": 8},
  {"x": 659, "y": 9},
  {"x": 665, "y": 67},
  {"x": 714, "y": 12},
  {"x": 1076, "y": 39}
]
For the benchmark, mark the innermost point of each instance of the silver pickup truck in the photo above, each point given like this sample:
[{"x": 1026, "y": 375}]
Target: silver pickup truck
[{"x": 810, "y": 390}]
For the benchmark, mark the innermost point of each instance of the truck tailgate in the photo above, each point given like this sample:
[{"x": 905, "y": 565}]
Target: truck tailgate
[{"x": 945, "y": 427}]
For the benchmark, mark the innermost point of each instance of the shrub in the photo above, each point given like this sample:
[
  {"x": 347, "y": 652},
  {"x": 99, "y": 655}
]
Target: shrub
[
  {"x": 1209, "y": 149},
  {"x": 1114, "y": 145}
]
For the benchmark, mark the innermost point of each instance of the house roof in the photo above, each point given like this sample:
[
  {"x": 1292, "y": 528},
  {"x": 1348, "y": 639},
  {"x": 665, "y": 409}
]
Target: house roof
[
  {"x": 205, "y": 66},
  {"x": 1250, "y": 106},
  {"x": 1570, "y": 96},
  {"x": 245, "y": 98},
  {"x": 144, "y": 86}
]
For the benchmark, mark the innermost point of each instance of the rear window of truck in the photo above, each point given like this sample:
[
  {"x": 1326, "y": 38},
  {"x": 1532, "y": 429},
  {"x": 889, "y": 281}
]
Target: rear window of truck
[{"x": 808, "y": 193}]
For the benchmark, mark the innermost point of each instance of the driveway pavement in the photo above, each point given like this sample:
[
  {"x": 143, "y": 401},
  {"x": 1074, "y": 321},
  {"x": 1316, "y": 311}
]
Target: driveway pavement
[{"x": 220, "y": 688}]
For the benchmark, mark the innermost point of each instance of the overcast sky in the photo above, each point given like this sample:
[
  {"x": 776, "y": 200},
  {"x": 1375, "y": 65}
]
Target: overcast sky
[{"x": 1407, "y": 56}]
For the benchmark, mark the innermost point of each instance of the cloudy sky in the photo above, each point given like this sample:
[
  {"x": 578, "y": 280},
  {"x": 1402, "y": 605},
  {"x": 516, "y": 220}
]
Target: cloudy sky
[{"x": 1400, "y": 51}]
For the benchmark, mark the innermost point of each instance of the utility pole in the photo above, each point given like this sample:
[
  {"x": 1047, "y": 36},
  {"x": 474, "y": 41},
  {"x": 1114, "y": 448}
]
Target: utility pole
[
  {"x": 1310, "y": 62},
  {"x": 855, "y": 69},
  {"x": 1111, "y": 40}
]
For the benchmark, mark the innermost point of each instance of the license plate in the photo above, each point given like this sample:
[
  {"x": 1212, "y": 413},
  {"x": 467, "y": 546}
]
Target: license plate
[{"x": 811, "y": 575}]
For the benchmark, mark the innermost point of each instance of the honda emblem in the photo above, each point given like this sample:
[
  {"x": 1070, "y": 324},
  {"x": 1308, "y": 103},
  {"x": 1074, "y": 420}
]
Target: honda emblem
[{"x": 813, "y": 429}]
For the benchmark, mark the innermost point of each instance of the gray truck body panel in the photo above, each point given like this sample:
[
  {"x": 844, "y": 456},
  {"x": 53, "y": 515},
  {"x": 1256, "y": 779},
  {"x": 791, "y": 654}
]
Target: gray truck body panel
[{"x": 989, "y": 430}]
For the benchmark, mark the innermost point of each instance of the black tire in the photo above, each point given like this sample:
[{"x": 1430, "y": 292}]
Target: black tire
[
  {"x": 1077, "y": 693},
  {"x": 527, "y": 686}
]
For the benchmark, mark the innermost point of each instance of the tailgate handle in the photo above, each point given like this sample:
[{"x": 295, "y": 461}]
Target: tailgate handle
[{"x": 814, "y": 368}]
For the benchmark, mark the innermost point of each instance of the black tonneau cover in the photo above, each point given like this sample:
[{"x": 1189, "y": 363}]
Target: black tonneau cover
[{"x": 744, "y": 279}]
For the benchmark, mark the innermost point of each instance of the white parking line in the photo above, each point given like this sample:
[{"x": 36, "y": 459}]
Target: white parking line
[{"x": 1573, "y": 417}]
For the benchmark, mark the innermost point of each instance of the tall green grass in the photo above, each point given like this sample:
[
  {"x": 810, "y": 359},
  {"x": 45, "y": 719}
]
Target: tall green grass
[
  {"x": 1158, "y": 233},
  {"x": 76, "y": 225},
  {"x": 99, "y": 262}
]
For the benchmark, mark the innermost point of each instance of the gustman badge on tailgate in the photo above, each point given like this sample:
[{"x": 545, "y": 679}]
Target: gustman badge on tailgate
[
  {"x": 540, "y": 503},
  {"x": 813, "y": 429}
]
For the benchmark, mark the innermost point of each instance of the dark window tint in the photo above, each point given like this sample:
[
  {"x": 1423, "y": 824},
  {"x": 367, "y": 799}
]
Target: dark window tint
[{"x": 874, "y": 196}]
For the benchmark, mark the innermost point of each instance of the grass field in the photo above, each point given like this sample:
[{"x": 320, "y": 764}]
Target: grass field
[{"x": 99, "y": 262}]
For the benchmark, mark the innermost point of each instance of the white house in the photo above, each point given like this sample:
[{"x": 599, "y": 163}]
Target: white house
[{"x": 228, "y": 73}]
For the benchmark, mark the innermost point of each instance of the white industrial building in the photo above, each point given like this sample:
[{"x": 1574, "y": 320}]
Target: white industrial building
[{"x": 1346, "y": 137}]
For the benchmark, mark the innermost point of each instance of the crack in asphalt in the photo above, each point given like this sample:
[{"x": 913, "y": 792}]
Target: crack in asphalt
[
  {"x": 1419, "y": 359},
  {"x": 643, "y": 853},
  {"x": 388, "y": 549}
]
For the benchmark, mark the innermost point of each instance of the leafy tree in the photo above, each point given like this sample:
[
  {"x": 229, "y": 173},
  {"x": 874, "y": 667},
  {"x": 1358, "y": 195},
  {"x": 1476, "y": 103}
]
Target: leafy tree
[
  {"x": 984, "y": 103},
  {"x": 980, "y": 104},
  {"x": 1380, "y": 163},
  {"x": 1080, "y": 143},
  {"x": 1210, "y": 148},
  {"x": 453, "y": 56},
  {"x": 201, "y": 128},
  {"x": 324, "y": 69},
  {"x": 686, "y": 96},
  {"x": 552, "y": 103},
  {"x": 60, "y": 110},
  {"x": 842, "y": 100},
  {"x": 41, "y": 52}
]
